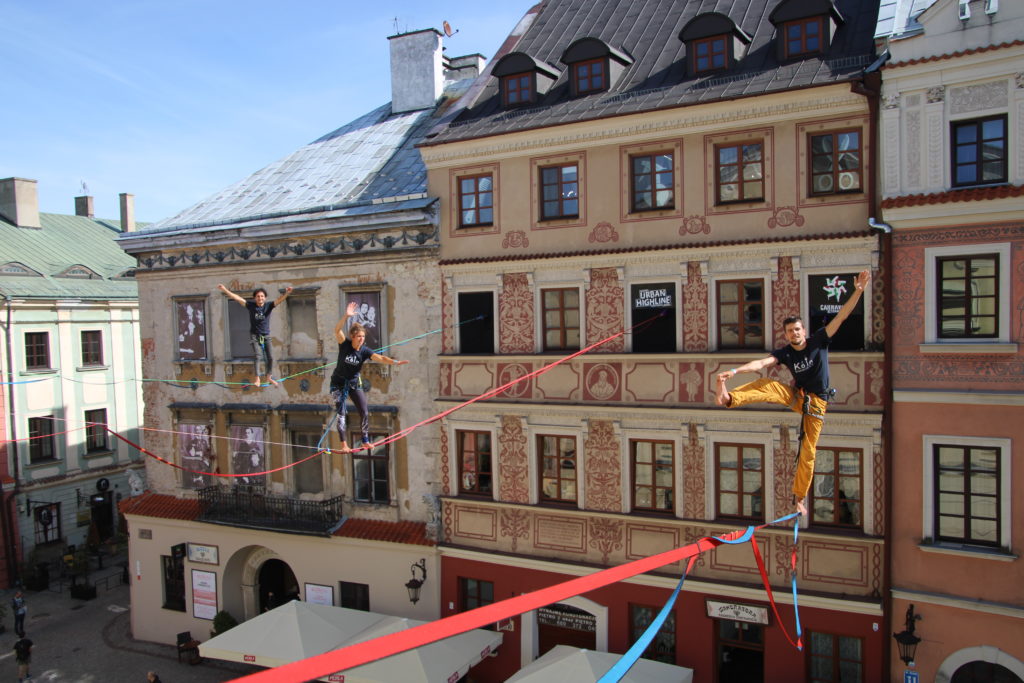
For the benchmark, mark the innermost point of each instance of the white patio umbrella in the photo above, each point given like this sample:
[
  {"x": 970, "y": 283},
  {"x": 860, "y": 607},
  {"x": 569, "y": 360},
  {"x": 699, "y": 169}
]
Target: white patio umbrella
[{"x": 567, "y": 664}]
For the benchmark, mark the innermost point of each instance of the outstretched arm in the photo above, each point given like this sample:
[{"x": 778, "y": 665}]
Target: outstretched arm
[
  {"x": 380, "y": 358},
  {"x": 231, "y": 295},
  {"x": 280, "y": 300},
  {"x": 858, "y": 288},
  {"x": 752, "y": 366},
  {"x": 339, "y": 329}
]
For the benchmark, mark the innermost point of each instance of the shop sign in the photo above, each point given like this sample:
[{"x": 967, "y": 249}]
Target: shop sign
[
  {"x": 563, "y": 617},
  {"x": 734, "y": 611},
  {"x": 203, "y": 554}
]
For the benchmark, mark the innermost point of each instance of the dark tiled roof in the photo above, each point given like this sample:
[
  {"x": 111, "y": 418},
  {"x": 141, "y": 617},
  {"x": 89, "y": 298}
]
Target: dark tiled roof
[
  {"x": 973, "y": 194},
  {"x": 160, "y": 505},
  {"x": 648, "y": 31},
  {"x": 410, "y": 533}
]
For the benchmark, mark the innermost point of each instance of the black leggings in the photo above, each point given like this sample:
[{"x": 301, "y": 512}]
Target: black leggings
[{"x": 351, "y": 389}]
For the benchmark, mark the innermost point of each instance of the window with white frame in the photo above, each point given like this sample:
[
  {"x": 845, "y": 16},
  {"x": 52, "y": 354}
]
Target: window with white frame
[
  {"x": 739, "y": 480},
  {"x": 837, "y": 491},
  {"x": 741, "y": 313},
  {"x": 560, "y": 311},
  {"x": 653, "y": 475},
  {"x": 476, "y": 474},
  {"x": 558, "y": 468},
  {"x": 304, "y": 338},
  {"x": 967, "y": 294}
]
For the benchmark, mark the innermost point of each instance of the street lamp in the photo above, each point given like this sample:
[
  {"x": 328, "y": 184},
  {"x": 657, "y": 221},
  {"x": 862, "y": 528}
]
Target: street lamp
[
  {"x": 414, "y": 584},
  {"x": 906, "y": 640}
]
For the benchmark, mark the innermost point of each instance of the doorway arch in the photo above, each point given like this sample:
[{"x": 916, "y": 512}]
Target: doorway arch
[{"x": 981, "y": 653}]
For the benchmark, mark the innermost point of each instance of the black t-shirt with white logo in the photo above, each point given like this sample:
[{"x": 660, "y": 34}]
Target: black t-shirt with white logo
[
  {"x": 350, "y": 362},
  {"x": 809, "y": 365},
  {"x": 259, "y": 317}
]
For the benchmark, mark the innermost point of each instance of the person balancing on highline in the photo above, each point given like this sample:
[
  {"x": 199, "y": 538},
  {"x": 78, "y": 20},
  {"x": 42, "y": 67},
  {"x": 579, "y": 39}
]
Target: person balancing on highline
[
  {"x": 807, "y": 359},
  {"x": 259, "y": 326}
]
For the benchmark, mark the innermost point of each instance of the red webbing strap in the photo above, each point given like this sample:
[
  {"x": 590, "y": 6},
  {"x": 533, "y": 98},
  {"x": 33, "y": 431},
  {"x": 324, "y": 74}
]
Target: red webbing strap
[{"x": 768, "y": 589}]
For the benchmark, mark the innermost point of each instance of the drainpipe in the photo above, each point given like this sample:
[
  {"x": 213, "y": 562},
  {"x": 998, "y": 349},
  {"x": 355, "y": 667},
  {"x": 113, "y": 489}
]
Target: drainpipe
[{"x": 7, "y": 514}]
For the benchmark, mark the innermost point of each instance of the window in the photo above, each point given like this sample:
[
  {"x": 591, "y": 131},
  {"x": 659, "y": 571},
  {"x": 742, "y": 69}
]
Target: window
[
  {"x": 589, "y": 76},
  {"x": 92, "y": 347},
  {"x": 37, "y": 350},
  {"x": 968, "y": 296},
  {"x": 653, "y": 464},
  {"x": 654, "y": 309},
  {"x": 557, "y": 468},
  {"x": 474, "y": 462},
  {"x": 803, "y": 37},
  {"x": 967, "y": 494},
  {"x": 474, "y": 593},
  {"x": 309, "y": 475},
  {"x": 476, "y": 322},
  {"x": 476, "y": 201},
  {"x": 517, "y": 89},
  {"x": 979, "y": 151},
  {"x": 740, "y": 172},
  {"x": 239, "y": 339},
  {"x": 559, "y": 192},
  {"x": 47, "y": 523},
  {"x": 825, "y": 296},
  {"x": 739, "y": 482},
  {"x": 192, "y": 329},
  {"x": 836, "y": 162},
  {"x": 740, "y": 651},
  {"x": 96, "y": 430},
  {"x": 663, "y": 647},
  {"x": 740, "y": 314},
  {"x": 41, "y": 444},
  {"x": 710, "y": 54},
  {"x": 370, "y": 472},
  {"x": 561, "y": 311},
  {"x": 304, "y": 340},
  {"x": 835, "y": 659},
  {"x": 173, "y": 566},
  {"x": 837, "y": 488},
  {"x": 355, "y": 595},
  {"x": 652, "y": 182}
]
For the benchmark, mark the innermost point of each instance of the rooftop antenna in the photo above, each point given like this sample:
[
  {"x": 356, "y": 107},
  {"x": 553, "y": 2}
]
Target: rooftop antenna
[
  {"x": 448, "y": 29},
  {"x": 396, "y": 25},
  {"x": 85, "y": 189}
]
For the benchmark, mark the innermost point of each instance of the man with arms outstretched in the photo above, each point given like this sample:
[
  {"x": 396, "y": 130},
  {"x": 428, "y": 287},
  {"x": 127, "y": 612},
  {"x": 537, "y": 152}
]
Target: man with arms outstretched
[{"x": 807, "y": 359}]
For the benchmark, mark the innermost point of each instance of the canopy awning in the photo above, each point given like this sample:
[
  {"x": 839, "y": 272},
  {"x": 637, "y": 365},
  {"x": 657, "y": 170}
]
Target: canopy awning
[{"x": 567, "y": 664}]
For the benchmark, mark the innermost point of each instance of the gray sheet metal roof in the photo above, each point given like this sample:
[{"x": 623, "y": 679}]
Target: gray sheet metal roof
[
  {"x": 62, "y": 243},
  {"x": 657, "y": 78},
  {"x": 898, "y": 18},
  {"x": 371, "y": 158}
]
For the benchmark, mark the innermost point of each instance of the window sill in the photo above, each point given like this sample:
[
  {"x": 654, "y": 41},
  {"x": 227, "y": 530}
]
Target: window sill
[
  {"x": 99, "y": 453},
  {"x": 39, "y": 464},
  {"x": 40, "y": 371},
  {"x": 967, "y": 551},
  {"x": 471, "y": 226},
  {"x": 968, "y": 347},
  {"x": 92, "y": 368}
]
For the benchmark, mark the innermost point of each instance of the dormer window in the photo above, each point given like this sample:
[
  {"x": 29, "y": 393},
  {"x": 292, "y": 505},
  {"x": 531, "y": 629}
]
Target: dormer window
[
  {"x": 713, "y": 43},
  {"x": 517, "y": 89},
  {"x": 523, "y": 79},
  {"x": 594, "y": 66},
  {"x": 590, "y": 76},
  {"x": 803, "y": 37}
]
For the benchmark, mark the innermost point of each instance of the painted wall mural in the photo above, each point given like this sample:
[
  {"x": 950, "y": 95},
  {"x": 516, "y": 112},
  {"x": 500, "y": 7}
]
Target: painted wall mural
[
  {"x": 514, "y": 486},
  {"x": 603, "y": 472},
  {"x": 785, "y": 299},
  {"x": 515, "y": 315},
  {"x": 605, "y": 309},
  {"x": 695, "y": 311}
]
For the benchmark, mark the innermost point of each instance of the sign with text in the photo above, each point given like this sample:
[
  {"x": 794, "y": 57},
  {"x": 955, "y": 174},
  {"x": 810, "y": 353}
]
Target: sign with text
[
  {"x": 204, "y": 594},
  {"x": 318, "y": 594},
  {"x": 826, "y": 294},
  {"x": 733, "y": 611},
  {"x": 654, "y": 312},
  {"x": 203, "y": 554}
]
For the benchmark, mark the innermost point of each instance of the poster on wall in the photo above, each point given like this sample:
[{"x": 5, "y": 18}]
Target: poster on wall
[
  {"x": 247, "y": 454},
  {"x": 826, "y": 295},
  {"x": 204, "y": 594},
  {"x": 319, "y": 595},
  {"x": 191, "y": 330},
  {"x": 368, "y": 314},
  {"x": 196, "y": 455}
]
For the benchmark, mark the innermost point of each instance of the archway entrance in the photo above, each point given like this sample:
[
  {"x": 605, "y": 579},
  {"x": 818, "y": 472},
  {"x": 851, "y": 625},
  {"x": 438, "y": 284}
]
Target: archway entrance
[{"x": 276, "y": 584}]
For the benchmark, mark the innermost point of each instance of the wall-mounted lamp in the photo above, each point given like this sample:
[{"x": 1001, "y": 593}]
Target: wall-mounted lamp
[
  {"x": 414, "y": 584},
  {"x": 906, "y": 640}
]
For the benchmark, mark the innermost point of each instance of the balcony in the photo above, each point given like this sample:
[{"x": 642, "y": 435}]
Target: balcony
[{"x": 252, "y": 507}]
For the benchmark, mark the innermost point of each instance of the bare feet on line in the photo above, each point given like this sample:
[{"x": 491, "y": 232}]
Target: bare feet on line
[
  {"x": 272, "y": 381},
  {"x": 722, "y": 396},
  {"x": 800, "y": 507}
]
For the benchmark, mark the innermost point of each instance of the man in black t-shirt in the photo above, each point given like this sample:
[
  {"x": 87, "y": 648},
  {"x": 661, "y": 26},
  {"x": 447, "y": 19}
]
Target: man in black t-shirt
[
  {"x": 259, "y": 326},
  {"x": 345, "y": 381},
  {"x": 807, "y": 359}
]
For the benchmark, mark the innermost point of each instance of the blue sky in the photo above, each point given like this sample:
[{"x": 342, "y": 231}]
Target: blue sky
[{"x": 172, "y": 101}]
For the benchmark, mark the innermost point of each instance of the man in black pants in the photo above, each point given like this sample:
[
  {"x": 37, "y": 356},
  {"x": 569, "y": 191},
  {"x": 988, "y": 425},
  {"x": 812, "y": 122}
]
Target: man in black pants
[
  {"x": 345, "y": 381},
  {"x": 259, "y": 326}
]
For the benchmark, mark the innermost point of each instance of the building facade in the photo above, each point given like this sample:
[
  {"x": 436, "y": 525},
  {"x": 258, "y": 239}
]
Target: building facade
[
  {"x": 952, "y": 174},
  {"x": 344, "y": 219},
  {"x": 71, "y": 367},
  {"x": 673, "y": 181}
]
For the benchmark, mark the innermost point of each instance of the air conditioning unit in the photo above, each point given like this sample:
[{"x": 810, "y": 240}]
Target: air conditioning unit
[
  {"x": 848, "y": 181},
  {"x": 823, "y": 183}
]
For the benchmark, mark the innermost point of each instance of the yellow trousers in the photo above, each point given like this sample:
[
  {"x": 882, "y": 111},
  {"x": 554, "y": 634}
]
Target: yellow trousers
[{"x": 766, "y": 390}]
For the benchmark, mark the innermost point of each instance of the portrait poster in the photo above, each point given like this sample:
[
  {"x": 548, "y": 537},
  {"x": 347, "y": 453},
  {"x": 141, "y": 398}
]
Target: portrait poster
[
  {"x": 368, "y": 314},
  {"x": 191, "y": 330},
  {"x": 196, "y": 455},
  {"x": 204, "y": 594},
  {"x": 247, "y": 456},
  {"x": 318, "y": 594}
]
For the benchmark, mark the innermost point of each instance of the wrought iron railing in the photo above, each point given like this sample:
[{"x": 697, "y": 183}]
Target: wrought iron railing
[{"x": 253, "y": 507}]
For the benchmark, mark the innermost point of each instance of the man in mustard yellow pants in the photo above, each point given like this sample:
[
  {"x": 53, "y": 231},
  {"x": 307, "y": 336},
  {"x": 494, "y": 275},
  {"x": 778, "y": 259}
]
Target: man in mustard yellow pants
[{"x": 807, "y": 359}]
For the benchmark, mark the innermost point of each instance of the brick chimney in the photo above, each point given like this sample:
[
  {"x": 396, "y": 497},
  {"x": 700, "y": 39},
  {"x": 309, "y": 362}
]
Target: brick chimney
[
  {"x": 19, "y": 202},
  {"x": 417, "y": 73},
  {"x": 83, "y": 206},
  {"x": 127, "y": 212}
]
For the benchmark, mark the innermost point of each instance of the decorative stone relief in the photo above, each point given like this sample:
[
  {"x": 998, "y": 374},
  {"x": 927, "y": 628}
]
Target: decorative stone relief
[
  {"x": 785, "y": 299},
  {"x": 605, "y": 536},
  {"x": 695, "y": 312},
  {"x": 695, "y": 225},
  {"x": 515, "y": 474},
  {"x": 891, "y": 155},
  {"x": 891, "y": 101},
  {"x": 514, "y": 239},
  {"x": 693, "y": 474},
  {"x": 785, "y": 468},
  {"x": 879, "y": 308},
  {"x": 603, "y": 232},
  {"x": 604, "y": 310},
  {"x": 913, "y": 100},
  {"x": 1020, "y": 79},
  {"x": 433, "y": 505},
  {"x": 603, "y": 471},
  {"x": 515, "y": 317},
  {"x": 445, "y": 468},
  {"x": 935, "y": 164},
  {"x": 515, "y": 524},
  {"x": 908, "y": 296},
  {"x": 786, "y": 216},
  {"x": 878, "y": 494},
  {"x": 978, "y": 97},
  {"x": 936, "y": 94},
  {"x": 913, "y": 123},
  {"x": 447, "y": 319}
]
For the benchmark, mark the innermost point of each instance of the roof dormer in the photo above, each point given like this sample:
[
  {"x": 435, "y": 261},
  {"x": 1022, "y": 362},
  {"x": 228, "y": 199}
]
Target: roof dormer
[
  {"x": 804, "y": 28},
  {"x": 594, "y": 66},
  {"x": 523, "y": 78},
  {"x": 713, "y": 43}
]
